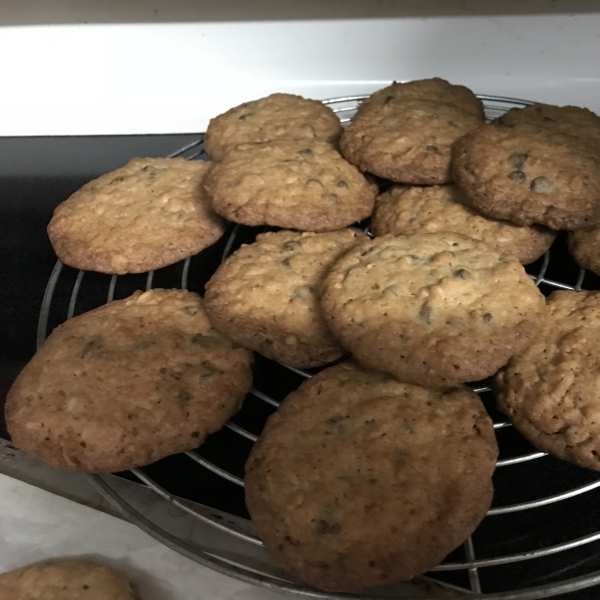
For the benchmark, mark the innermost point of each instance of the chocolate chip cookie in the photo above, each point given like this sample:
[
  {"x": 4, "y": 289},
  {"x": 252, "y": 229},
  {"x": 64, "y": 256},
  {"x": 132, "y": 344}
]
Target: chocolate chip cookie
[
  {"x": 360, "y": 480},
  {"x": 551, "y": 391},
  {"x": 572, "y": 120},
  {"x": 527, "y": 170},
  {"x": 146, "y": 215},
  {"x": 415, "y": 209},
  {"x": 266, "y": 295},
  {"x": 275, "y": 117},
  {"x": 66, "y": 579},
  {"x": 435, "y": 309},
  {"x": 405, "y": 132},
  {"x": 294, "y": 184},
  {"x": 127, "y": 384}
]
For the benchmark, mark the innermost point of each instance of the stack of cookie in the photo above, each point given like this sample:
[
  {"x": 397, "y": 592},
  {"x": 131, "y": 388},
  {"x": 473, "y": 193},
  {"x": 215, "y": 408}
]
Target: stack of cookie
[{"x": 381, "y": 464}]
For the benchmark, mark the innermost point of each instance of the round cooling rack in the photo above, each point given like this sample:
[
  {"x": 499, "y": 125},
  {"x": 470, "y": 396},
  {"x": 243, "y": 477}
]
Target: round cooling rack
[{"x": 540, "y": 538}]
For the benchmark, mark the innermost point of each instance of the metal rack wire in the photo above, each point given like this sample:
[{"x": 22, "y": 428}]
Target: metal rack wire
[{"x": 470, "y": 565}]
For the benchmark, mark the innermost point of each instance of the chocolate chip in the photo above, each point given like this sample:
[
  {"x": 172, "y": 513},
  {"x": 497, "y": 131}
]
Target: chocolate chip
[
  {"x": 369, "y": 251},
  {"x": 184, "y": 396},
  {"x": 323, "y": 527},
  {"x": 306, "y": 152},
  {"x": 541, "y": 185},
  {"x": 487, "y": 318},
  {"x": 432, "y": 149},
  {"x": 291, "y": 246},
  {"x": 342, "y": 185},
  {"x": 207, "y": 370},
  {"x": 315, "y": 183},
  {"x": 206, "y": 341},
  {"x": 426, "y": 314},
  {"x": 92, "y": 346},
  {"x": 462, "y": 274},
  {"x": 304, "y": 291},
  {"x": 517, "y": 161},
  {"x": 333, "y": 198},
  {"x": 517, "y": 177}
]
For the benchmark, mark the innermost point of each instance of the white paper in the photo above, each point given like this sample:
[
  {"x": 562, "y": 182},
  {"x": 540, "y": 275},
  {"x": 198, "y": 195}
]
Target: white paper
[{"x": 36, "y": 525}]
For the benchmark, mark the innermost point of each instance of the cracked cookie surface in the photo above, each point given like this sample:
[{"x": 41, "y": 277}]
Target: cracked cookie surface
[
  {"x": 266, "y": 295},
  {"x": 359, "y": 479},
  {"x": 405, "y": 132},
  {"x": 151, "y": 213},
  {"x": 278, "y": 116},
  {"x": 415, "y": 209},
  {"x": 66, "y": 579},
  {"x": 435, "y": 309},
  {"x": 293, "y": 184},
  {"x": 530, "y": 168},
  {"x": 128, "y": 383},
  {"x": 551, "y": 392}
]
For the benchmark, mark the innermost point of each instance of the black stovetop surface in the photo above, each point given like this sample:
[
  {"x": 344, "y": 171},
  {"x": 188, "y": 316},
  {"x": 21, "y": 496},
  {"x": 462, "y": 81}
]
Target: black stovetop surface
[{"x": 36, "y": 174}]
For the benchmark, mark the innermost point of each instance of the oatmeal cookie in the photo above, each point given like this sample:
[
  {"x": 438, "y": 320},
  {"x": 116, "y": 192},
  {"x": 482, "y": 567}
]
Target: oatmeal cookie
[
  {"x": 435, "y": 309},
  {"x": 266, "y": 295},
  {"x": 551, "y": 391},
  {"x": 416, "y": 209},
  {"x": 360, "y": 480},
  {"x": 151, "y": 213},
  {"x": 127, "y": 384},
  {"x": 405, "y": 132},
  {"x": 294, "y": 184},
  {"x": 276, "y": 117}
]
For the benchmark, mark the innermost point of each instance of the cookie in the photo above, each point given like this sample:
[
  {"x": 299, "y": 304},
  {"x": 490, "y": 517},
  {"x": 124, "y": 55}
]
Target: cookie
[
  {"x": 294, "y": 184},
  {"x": 551, "y": 391},
  {"x": 411, "y": 209},
  {"x": 360, "y": 480},
  {"x": 584, "y": 246},
  {"x": 435, "y": 309},
  {"x": 572, "y": 120},
  {"x": 529, "y": 171},
  {"x": 266, "y": 295},
  {"x": 276, "y": 117},
  {"x": 405, "y": 132},
  {"x": 66, "y": 579},
  {"x": 151, "y": 213},
  {"x": 127, "y": 384}
]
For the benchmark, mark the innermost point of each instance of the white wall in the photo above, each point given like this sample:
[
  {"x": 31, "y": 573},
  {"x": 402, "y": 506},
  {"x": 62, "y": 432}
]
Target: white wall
[{"x": 100, "y": 77}]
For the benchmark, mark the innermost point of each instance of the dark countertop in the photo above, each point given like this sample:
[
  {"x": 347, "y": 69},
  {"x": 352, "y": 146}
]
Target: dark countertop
[{"x": 36, "y": 174}]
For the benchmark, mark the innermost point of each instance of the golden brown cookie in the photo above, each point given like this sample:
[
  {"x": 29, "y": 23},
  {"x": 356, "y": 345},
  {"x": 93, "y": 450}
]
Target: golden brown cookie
[
  {"x": 127, "y": 384},
  {"x": 405, "y": 132},
  {"x": 275, "y": 117},
  {"x": 66, "y": 579},
  {"x": 146, "y": 215},
  {"x": 551, "y": 392},
  {"x": 572, "y": 120},
  {"x": 294, "y": 184},
  {"x": 266, "y": 295},
  {"x": 360, "y": 480},
  {"x": 435, "y": 309},
  {"x": 416, "y": 209},
  {"x": 529, "y": 170},
  {"x": 584, "y": 246}
]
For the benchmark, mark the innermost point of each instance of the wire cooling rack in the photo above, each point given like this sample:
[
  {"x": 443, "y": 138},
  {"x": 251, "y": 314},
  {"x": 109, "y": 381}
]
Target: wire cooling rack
[{"x": 539, "y": 539}]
